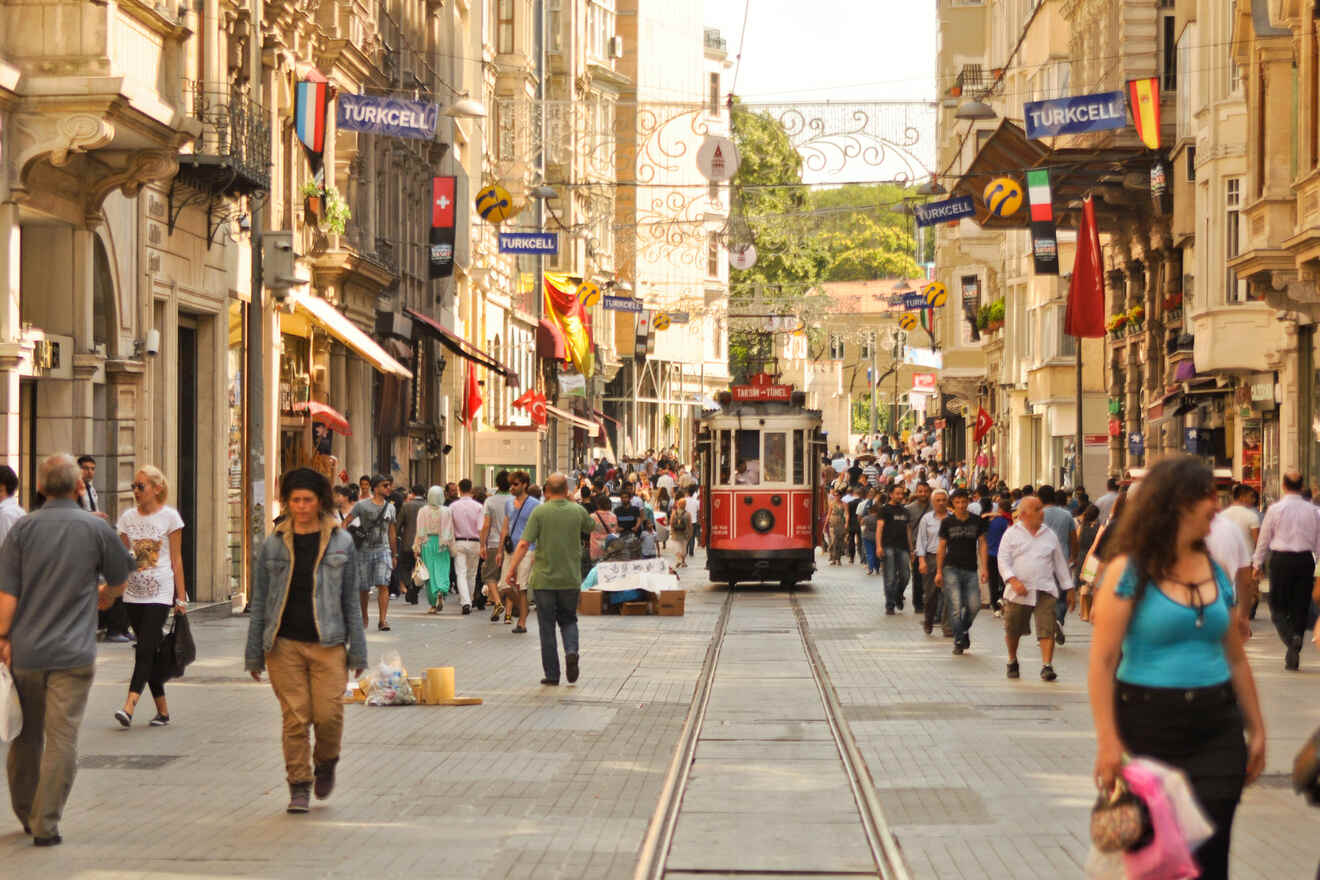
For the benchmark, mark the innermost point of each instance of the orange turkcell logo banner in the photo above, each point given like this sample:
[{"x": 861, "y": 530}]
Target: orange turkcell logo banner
[{"x": 1144, "y": 100}]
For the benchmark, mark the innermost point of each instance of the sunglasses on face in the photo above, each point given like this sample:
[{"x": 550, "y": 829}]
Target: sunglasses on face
[{"x": 139, "y": 487}]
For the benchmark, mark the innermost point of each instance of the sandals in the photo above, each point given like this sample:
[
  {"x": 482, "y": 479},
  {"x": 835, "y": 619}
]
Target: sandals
[
  {"x": 508, "y": 616},
  {"x": 433, "y": 610},
  {"x": 495, "y": 615},
  {"x": 383, "y": 627}
]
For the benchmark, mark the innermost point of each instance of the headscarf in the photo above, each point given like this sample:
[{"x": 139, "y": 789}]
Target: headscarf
[{"x": 435, "y": 496}]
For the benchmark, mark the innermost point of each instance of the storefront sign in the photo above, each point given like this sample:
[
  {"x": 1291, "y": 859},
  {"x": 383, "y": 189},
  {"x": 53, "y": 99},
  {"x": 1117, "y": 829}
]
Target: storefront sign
[
  {"x": 1095, "y": 440},
  {"x": 529, "y": 243},
  {"x": 912, "y": 301},
  {"x": 1251, "y": 458},
  {"x": 1075, "y": 114},
  {"x": 442, "y": 226},
  {"x": 621, "y": 303},
  {"x": 1136, "y": 444},
  {"x": 572, "y": 384},
  {"x": 392, "y": 116},
  {"x": 942, "y": 212},
  {"x": 923, "y": 381}
]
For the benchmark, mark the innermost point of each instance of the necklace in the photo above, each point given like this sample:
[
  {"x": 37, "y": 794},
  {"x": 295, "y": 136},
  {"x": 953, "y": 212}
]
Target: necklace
[{"x": 1194, "y": 597}]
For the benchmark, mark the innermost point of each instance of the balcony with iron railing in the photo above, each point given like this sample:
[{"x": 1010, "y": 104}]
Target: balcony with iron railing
[
  {"x": 232, "y": 156},
  {"x": 713, "y": 41}
]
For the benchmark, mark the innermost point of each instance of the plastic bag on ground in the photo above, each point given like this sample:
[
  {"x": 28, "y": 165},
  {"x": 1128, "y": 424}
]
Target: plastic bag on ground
[
  {"x": 11, "y": 713},
  {"x": 388, "y": 683}
]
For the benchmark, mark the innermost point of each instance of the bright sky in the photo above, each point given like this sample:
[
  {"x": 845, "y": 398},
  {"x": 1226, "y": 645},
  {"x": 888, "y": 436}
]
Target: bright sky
[{"x": 830, "y": 50}]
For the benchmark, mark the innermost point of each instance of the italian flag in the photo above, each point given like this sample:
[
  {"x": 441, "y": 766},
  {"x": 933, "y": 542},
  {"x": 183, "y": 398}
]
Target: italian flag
[{"x": 1038, "y": 194}]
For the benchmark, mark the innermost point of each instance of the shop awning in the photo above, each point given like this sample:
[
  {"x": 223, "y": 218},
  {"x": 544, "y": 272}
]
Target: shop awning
[
  {"x": 550, "y": 340},
  {"x": 341, "y": 327},
  {"x": 1074, "y": 172},
  {"x": 575, "y": 420},
  {"x": 461, "y": 347}
]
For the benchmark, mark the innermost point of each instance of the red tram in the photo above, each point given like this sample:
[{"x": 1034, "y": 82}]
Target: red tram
[{"x": 761, "y": 504}]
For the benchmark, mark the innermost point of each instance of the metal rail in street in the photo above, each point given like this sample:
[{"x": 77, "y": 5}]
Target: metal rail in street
[{"x": 884, "y": 849}]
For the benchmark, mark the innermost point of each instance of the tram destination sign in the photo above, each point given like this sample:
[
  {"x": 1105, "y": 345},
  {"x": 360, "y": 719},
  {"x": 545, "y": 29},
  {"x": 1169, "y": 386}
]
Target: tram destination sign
[{"x": 753, "y": 393}]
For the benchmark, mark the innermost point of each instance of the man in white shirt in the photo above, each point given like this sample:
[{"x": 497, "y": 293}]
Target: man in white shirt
[
  {"x": 1291, "y": 534},
  {"x": 694, "y": 508},
  {"x": 1035, "y": 570},
  {"x": 1105, "y": 502},
  {"x": 666, "y": 481},
  {"x": 926, "y": 546},
  {"x": 1228, "y": 548},
  {"x": 10, "y": 511},
  {"x": 1242, "y": 513}
]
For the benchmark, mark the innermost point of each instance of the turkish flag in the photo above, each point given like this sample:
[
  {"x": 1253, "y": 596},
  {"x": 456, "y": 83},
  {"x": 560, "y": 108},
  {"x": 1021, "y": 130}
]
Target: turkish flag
[
  {"x": 534, "y": 402},
  {"x": 983, "y": 424},
  {"x": 1085, "y": 315},
  {"x": 471, "y": 398}
]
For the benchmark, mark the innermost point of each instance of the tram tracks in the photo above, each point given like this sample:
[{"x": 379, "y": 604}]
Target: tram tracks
[{"x": 771, "y": 632}]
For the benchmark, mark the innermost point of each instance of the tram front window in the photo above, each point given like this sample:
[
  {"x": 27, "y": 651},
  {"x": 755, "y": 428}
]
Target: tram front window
[
  {"x": 748, "y": 461},
  {"x": 776, "y": 457}
]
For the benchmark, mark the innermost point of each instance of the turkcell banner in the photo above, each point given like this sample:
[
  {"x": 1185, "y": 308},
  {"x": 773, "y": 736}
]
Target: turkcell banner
[
  {"x": 941, "y": 212},
  {"x": 621, "y": 303},
  {"x": 529, "y": 243},
  {"x": 1076, "y": 114},
  {"x": 392, "y": 116},
  {"x": 914, "y": 301}
]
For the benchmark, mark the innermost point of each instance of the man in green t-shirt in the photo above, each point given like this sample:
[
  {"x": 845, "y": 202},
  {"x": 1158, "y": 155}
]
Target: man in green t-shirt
[{"x": 557, "y": 528}]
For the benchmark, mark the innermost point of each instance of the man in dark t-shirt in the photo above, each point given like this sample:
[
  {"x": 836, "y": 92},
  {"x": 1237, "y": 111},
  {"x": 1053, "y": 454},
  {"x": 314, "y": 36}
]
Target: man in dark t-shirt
[
  {"x": 896, "y": 547},
  {"x": 962, "y": 552}
]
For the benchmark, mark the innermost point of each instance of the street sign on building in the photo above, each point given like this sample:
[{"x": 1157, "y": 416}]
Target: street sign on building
[
  {"x": 1079, "y": 113},
  {"x": 621, "y": 303},
  {"x": 941, "y": 212},
  {"x": 381, "y": 115},
  {"x": 529, "y": 243}
]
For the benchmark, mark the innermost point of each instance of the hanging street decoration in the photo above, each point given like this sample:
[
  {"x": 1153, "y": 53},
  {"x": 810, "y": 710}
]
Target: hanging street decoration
[
  {"x": 742, "y": 256},
  {"x": 717, "y": 158},
  {"x": 936, "y": 294},
  {"x": 564, "y": 308},
  {"x": 494, "y": 204},
  {"x": 908, "y": 321},
  {"x": 442, "y": 227},
  {"x": 1003, "y": 196},
  {"x": 1074, "y": 115},
  {"x": 661, "y": 321},
  {"x": 1044, "y": 242},
  {"x": 942, "y": 212},
  {"x": 1144, "y": 98},
  {"x": 377, "y": 114}
]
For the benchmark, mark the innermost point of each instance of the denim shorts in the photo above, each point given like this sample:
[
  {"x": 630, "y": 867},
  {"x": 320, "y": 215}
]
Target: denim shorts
[{"x": 374, "y": 568}]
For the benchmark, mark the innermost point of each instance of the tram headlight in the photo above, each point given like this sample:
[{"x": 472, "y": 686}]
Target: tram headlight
[{"x": 763, "y": 521}]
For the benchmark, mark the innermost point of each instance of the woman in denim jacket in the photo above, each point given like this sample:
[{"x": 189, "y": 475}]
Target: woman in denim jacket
[{"x": 306, "y": 628}]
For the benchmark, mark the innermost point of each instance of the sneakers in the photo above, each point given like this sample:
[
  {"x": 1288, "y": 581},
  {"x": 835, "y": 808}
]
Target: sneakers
[
  {"x": 123, "y": 718},
  {"x": 53, "y": 840},
  {"x": 467, "y": 609},
  {"x": 958, "y": 648},
  {"x": 300, "y": 797},
  {"x": 999, "y": 612},
  {"x": 1013, "y": 671},
  {"x": 571, "y": 667},
  {"x": 325, "y": 779},
  {"x": 1059, "y": 637},
  {"x": 121, "y": 638},
  {"x": 551, "y": 682},
  {"x": 1047, "y": 673},
  {"x": 160, "y": 720}
]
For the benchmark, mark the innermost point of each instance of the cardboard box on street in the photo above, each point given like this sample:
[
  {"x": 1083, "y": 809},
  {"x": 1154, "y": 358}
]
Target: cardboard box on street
[
  {"x": 590, "y": 602},
  {"x": 630, "y": 609},
  {"x": 672, "y": 603}
]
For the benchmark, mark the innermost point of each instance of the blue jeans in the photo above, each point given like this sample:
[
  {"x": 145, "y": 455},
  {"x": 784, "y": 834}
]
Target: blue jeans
[
  {"x": 868, "y": 548},
  {"x": 897, "y": 571},
  {"x": 962, "y": 590},
  {"x": 556, "y": 606}
]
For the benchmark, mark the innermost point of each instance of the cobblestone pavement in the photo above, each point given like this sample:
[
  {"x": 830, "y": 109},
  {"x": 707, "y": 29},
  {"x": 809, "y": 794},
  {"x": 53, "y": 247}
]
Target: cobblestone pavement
[
  {"x": 978, "y": 776},
  {"x": 981, "y": 776}
]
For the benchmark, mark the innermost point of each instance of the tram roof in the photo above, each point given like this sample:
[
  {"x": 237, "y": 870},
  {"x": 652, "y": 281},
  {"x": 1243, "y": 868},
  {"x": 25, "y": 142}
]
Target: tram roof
[{"x": 762, "y": 408}]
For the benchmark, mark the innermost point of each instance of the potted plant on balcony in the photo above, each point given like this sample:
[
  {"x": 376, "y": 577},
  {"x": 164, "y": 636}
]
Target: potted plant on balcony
[
  {"x": 1136, "y": 317},
  {"x": 983, "y": 318},
  {"x": 337, "y": 212},
  {"x": 997, "y": 314},
  {"x": 313, "y": 201},
  {"x": 1116, "y": 323}
]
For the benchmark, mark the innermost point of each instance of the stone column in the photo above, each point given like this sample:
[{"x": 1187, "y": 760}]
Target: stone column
[{"x": 10, "y": 330}]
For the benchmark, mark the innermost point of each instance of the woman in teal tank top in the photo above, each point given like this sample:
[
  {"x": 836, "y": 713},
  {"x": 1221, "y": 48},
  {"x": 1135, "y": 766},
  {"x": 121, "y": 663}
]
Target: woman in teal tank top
[{"x": 1183, "y": 692}]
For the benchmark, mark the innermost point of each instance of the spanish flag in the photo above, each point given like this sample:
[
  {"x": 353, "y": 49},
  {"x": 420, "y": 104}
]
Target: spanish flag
[
  {"x": 1144, "y": 99},
  {"x": 564, "y": 308}
]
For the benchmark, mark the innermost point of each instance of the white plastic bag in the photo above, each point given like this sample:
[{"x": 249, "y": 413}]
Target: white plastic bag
[
  {"x": 388, "y": 684},
  {"x": 420, "y": 575},
  {"x": 11, "y": 713}
]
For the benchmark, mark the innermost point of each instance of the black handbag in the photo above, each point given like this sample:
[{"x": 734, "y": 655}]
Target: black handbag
[{"x": 177, "y": 648}]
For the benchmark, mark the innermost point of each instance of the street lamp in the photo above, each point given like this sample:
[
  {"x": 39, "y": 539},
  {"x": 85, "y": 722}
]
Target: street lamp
[
  {"x": 466, "y": 108},
  {"x": 974, "y": 110}
]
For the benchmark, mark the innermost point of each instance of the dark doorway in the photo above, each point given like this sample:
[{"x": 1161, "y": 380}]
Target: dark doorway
[{"x": 186, "y": 491}]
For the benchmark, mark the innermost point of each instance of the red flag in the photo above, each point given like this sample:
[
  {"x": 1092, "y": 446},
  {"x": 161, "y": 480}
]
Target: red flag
[
  {"x": 1085, "y": 314},
  {"x": 471, "y": 398},
  {"x": 534, "y": 402},
  {"x": 983, "y": 424}
]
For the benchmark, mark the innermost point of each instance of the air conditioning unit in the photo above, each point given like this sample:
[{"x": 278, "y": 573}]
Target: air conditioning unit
[{"x": 616, "y": 47}]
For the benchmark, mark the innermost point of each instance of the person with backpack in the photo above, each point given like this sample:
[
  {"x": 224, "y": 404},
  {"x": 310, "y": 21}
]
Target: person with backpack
[{"x": 372, "y": 525}]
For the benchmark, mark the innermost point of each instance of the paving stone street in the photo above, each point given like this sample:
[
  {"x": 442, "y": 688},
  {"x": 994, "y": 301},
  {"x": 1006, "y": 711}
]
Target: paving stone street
[{"x": 977, "y": 776}]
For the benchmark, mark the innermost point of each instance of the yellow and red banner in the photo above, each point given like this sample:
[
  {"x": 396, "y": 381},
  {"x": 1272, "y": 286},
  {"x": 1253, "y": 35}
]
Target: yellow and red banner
[
  {"x": 1144, "y": 99},
  {"x": 564, "y": 308}
]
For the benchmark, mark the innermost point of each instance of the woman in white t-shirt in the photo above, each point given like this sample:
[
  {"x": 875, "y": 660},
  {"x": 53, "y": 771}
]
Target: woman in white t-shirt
[{"x": 153, "y": 532}]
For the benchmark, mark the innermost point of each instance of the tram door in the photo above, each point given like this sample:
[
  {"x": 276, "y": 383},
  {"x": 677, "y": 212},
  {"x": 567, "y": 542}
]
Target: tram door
[{"x": 706, "y": 462}]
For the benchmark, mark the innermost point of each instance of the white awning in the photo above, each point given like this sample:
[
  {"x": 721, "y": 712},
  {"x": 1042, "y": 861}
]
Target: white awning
[
  {"x": 341, "y": 327},
  {"x": 592, "y": 428}
]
